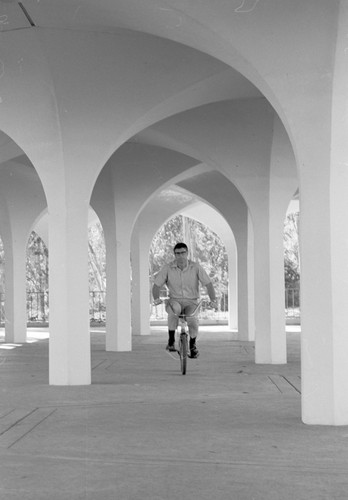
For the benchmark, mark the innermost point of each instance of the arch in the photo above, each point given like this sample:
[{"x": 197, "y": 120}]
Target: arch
[
  {"x": 204, "y": 213},
  {"x": 165, "y": 203},
  {"x": 22, "y": 200},
  {"x": 182, "y": 101}
]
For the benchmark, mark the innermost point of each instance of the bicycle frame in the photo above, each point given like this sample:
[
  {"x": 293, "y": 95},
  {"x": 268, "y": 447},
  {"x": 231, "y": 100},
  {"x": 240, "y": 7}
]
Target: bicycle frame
[{"x": 182, "y": 331}]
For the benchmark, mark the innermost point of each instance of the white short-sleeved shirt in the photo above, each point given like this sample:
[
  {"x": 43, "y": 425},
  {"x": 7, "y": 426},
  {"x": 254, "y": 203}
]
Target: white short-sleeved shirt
[{"x": 182, "y": 283}]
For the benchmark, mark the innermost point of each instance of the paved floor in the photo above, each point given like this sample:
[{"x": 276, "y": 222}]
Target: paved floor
[{"x": 229, "y": 429}]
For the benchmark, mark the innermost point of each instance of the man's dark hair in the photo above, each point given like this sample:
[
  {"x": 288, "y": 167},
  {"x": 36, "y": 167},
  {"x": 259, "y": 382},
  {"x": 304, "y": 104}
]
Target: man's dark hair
[{"x": 181, "y": 245}]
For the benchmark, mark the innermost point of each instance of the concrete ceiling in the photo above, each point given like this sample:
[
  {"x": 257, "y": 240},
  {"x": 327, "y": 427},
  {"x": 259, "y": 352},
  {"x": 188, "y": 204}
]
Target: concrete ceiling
[{"x": 221, "y": 82}]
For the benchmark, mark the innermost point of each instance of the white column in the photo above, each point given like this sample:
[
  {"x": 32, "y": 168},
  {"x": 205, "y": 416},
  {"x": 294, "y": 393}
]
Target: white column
[
  {"x": 324, "y": 256},
  {"x": 232, "y": 285},
  {"x": 116, "y": 224},
  {"x": 15, "y": 291},
  {"x": 251, "y": 280},
  {"x": 140, "y": 284},
  {"x": 241, "y": 236},
  {"x": 270, "y": 338},
  {"x": 118, "y": 312},
  {"x": 270, "y": 332},
  {"x": 69, "y": 345}
]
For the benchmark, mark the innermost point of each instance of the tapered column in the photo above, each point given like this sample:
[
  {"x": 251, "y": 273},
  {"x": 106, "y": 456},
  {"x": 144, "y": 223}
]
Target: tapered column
[
  {"x": 244, "y": 331},
  {"x": 270, "y": 339},
  {"x": 232, "y": 285},
  {"x": 324, "y": 298},
  {"x": 116, "y": 224},
  {"x": 268, "y": 217},
  {"x": 69, "y": 345},
  {"x": 324, "y": 254},
  {"x": 118, "y": 312},
  {"x": 15, "y": 291},
  {"x": 140, "y": 284},
  {"x": 251, "y": 281}
]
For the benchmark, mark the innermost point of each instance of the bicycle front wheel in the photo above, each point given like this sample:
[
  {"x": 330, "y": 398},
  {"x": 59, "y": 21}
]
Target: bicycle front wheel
[{"x": 183, "y": 352}]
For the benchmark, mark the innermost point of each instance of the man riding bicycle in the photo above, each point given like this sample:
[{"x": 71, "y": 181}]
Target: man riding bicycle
[{"x": 182, "y": 277}]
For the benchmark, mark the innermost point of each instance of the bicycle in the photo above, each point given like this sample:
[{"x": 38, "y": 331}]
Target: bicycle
[{"x": 183, "y": 336}]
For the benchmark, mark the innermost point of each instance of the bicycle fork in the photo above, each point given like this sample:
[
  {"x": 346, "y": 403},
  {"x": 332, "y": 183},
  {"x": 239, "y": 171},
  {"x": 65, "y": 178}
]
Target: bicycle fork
[{"x": 183, "y": 345}]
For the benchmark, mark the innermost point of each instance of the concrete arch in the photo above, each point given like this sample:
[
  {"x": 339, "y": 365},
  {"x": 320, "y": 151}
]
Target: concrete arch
[
  {"x": 244, "y": 140},
  {"x": 270, "y": 339},
  {"x": 207, "y": 215},
  {"x": 195, "y": 209},
  {"x": 21, "y": 200},
  {"x": 64, "y": 204},
  {"x": 164, "y": 205},
  {"x": 267, "y": 182},
  {"x": 130, "y": 178},
  {"x": 233, "y": 42}
]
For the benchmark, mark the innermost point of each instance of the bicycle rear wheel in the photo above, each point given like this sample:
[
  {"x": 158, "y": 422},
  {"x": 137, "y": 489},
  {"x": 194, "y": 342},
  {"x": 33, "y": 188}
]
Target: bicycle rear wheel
[{"x": 183, "y": 352}]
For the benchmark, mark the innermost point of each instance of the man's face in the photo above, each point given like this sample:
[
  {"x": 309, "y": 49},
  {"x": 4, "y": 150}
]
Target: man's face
[{"x": 181, "y": 256}]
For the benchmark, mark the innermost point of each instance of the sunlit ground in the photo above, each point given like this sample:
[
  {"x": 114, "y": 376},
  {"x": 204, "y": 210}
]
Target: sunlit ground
[
  {"x": 37, "y": 334},
  {"x": 32, "y": 337}
]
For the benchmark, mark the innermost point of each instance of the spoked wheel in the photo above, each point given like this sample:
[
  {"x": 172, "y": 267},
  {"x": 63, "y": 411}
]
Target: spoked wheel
[{"x": 183, "y": 352}]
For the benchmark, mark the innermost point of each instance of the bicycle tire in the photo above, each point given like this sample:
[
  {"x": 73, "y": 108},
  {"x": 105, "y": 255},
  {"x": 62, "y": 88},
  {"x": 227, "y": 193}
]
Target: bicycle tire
[{"x": 183, "y": 352}]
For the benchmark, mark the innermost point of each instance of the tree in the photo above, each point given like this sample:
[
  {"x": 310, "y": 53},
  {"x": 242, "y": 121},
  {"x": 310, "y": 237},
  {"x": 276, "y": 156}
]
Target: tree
[
  {"x": 161, "y": 250},
  {"x": 97, "y": 258},
  {"x": 291, "y": 251},
  {"x": 37, "y": 264},
  {"x": 37, "y": 277},
  {"x": 204, "y": 246}
]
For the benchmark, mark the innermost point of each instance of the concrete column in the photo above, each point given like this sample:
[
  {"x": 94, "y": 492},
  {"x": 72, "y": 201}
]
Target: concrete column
[
  {"x": 270, "y": 339},
  {"x": 69, "y": 346},
  {"x": 324, "y": 255},
  {"x": 140, "y": 284},
  {"x": 251, "y": 281},
  {"x": 116, "y": 218},
  {"x": 118, "y": 312},
  {"x": 232, "y": 285},
  {"x": 244, "y": 332},
  {"x": 268, "y": 217},
  {"x": 15, "y": 291}
]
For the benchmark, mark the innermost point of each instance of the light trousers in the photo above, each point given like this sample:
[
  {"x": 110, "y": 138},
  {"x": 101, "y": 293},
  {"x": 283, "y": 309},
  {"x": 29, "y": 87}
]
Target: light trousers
[{"x": 179, "y": 306}]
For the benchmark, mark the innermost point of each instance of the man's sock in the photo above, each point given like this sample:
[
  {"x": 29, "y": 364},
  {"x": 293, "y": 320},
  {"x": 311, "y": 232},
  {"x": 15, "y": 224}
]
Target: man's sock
[
  {"x": 192, "y": 342},
  {"x": 171, "y": 339}
]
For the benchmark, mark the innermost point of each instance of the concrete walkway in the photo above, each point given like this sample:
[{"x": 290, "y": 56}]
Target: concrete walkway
[{"x": 229, "y": 429}]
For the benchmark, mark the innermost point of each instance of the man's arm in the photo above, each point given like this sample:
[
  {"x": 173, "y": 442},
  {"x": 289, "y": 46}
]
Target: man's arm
[
  {"x": 211, "y": 293},
  {"x": 205, "y": 280},
  {"x": 156, "y": 293},
  {"x": 160, "y": 279}
]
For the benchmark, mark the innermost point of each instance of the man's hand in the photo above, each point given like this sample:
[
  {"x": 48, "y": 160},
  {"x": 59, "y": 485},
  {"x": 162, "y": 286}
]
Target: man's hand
[
  {"x": 213, "y": 304},
  {"x": 157, "y": 302}
]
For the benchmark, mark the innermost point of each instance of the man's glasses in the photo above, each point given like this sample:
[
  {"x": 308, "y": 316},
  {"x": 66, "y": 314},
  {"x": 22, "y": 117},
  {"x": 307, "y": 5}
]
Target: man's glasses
[{"x": 180, "y": 253}]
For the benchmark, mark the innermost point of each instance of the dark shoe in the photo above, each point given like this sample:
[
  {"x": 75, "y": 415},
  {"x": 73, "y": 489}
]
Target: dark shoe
[
  {"x": 171, "y": 348},
  {"x": 194, "y": 352}
]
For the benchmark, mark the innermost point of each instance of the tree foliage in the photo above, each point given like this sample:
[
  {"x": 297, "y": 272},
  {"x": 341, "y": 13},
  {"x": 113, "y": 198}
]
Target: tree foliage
[
  {"x": 204, "y": 246},
  {"x": 291, "y": 251},
  {"x": 37, "y": 264},
  {"x": 97, "y": 258}
]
